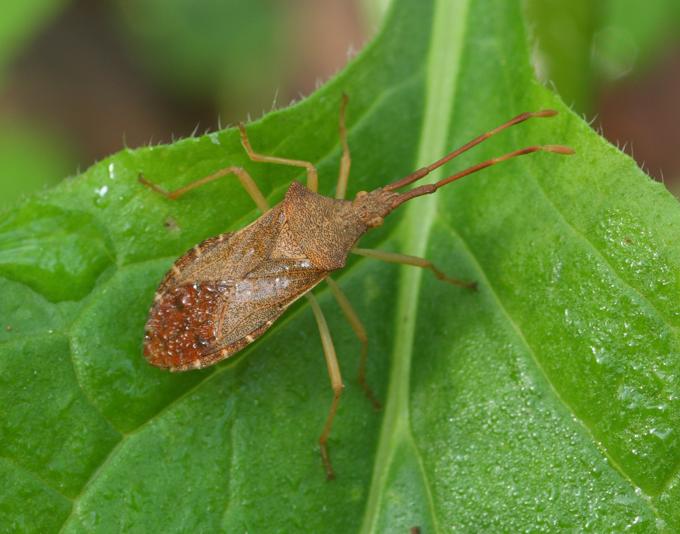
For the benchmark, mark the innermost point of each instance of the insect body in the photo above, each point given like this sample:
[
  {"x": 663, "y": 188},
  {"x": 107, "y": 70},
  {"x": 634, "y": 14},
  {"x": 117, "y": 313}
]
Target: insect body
[{"x": 227, "y": 291}]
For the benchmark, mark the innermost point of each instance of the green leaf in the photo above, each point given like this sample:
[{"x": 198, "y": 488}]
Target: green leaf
[{"x": 547, "y": 400}]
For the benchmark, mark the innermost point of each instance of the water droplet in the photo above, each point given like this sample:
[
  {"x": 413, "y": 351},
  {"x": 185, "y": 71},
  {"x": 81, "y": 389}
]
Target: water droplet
[
  {"x": 661, "y": 433},
  {"x": 101, "y": 191},
  {"x": 557, "y": 270},
  {"x": 599, "y": 354},
  {"x": 636, "y": 521},
  {"x": 112, "y": 171}
]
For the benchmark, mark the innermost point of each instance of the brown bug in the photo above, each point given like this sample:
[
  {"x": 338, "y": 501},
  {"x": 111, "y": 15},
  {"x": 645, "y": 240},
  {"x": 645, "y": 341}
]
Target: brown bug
[{"x": 227, "y": 291}]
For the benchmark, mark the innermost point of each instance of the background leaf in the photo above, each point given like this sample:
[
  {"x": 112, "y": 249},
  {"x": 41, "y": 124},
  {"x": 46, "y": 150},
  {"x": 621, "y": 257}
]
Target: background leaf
[
  {"x": 19, "y": 21},
  {"x": 30, "y": 156},
  {"x": 563, "y": 52},
  {"x": 548, "y": 399},
  {"x": 582, "y": 47},
  {"x": 229, "y": 48}
]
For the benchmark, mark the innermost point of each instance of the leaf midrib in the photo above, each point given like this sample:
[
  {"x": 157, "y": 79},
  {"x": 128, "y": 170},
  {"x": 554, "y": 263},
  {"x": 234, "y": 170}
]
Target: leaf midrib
[{"x": 443, "y": 67}]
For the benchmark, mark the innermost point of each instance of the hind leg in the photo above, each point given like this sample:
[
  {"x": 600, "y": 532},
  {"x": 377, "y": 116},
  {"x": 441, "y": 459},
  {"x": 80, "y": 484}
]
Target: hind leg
[
  {"x": 246, "y": 181},
  {"x": 336, "y": 382}
]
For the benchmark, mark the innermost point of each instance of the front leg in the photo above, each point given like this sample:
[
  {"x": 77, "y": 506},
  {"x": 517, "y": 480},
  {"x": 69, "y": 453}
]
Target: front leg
[{"x": 393, "y": 257}]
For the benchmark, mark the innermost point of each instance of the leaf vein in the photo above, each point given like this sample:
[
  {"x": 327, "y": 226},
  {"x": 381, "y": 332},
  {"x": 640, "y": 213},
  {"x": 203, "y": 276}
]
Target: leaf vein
[
  {"x": 637, "y": 294},
  {"x": 12, "y": 462},
  {"x": 426, "y": 479},
  {"x": 671, "y": 478},
  {"x": 109, "y": 458}
]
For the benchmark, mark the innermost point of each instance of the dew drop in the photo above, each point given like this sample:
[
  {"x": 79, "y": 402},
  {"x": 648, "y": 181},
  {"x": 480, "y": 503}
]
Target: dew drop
[{"x": 661, "y": 433}]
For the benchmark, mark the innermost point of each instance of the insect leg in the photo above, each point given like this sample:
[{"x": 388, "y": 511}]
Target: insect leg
[
  {"x": 312, "y": 175},
  {"x": 360, "y": 331},
  {"x": 345, "y": 160},
  {"x": 336, "y": 382},
  {"x": 393, "y": 257},
  {"x": 246, "y": 181}
]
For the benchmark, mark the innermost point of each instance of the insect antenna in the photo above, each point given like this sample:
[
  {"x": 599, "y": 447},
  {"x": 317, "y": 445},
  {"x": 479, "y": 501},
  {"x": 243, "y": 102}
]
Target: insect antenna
[
  {"x": 424, "y": 171},
  {"x": 431, "y": 188}
]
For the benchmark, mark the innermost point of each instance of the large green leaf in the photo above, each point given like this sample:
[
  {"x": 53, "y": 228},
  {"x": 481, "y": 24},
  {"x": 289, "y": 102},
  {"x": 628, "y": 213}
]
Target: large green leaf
[{"x": 548, "y": 399}]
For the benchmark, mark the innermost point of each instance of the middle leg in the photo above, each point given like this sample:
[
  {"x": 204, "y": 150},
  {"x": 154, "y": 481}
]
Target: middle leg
[{"x": 360, "y": 332}]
